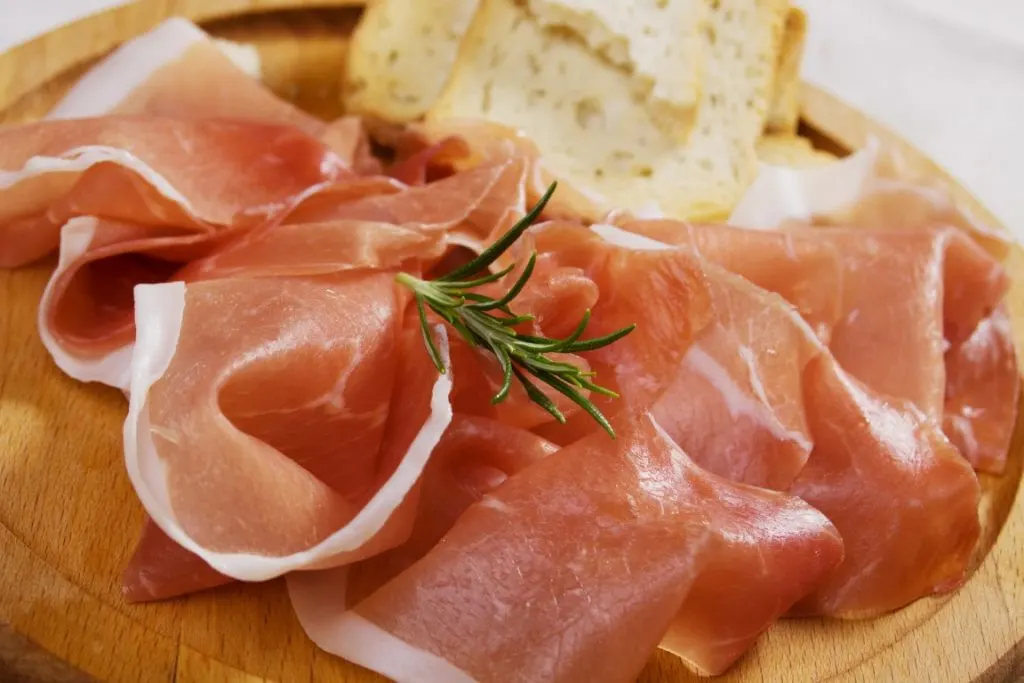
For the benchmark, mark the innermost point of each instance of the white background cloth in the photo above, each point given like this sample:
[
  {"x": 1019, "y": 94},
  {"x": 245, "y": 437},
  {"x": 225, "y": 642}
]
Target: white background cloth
[{"x": 948, "y": 75}]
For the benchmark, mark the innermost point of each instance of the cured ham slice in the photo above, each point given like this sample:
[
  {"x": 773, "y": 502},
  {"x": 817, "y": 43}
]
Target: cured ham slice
[
  {"x": 86, "y": 316},
  {"x": 872, "y": 459},
  {"x": 901, "y": 495},
  {"x": 738, "y": 395},
  {"x": 906, "y": 293},
  {"x": 873, "y": 189},
  {"x": 653, "y": 273},
  {"x": 982, "y": 393},
  {"x": 418, "y": 167},
  {"x": 319, "y": 472},
  {"x": 309, "y": 249},
  {"x": 143, "y": 170},
  {"x": 161, "y": 569},
  {"x": 924, "y": 300},
  {"x": 475, "y": 456},
  {"x": 805, "y": 268},
  {"x": 644, "y": 523},
  {"x": 145, "y": 76},
  {"x": 474, "y": 206}
]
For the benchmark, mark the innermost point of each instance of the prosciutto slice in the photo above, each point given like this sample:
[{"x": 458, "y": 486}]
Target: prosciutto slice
[
  {"x": 751, "y": 392},
  {"x": 982, "y": 393},
  {"x": 644, "y": 522},
  {"x": 321, "y": 472},
  {"x": 86, "y": 316},
  {"x": 926, "y": 301},
  {"x": 145, "y": 75},
  {"x": 475, "y": 456},
  {"x": 907, "y": 294},
  {"x": 911, "y": 295},
  {"x": 805, "y": 268},
  {"x": 474, "y": 206},
  {"x": 487, "y": 142},
  {"x": 143, "y": 170},
  {"x": 874, "y": 190}
]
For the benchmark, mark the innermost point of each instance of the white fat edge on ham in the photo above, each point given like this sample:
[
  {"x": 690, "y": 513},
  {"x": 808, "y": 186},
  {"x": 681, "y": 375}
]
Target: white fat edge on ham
[
  {"x": 737, "y": 401},
  {"x": 159, "y": 312},
  {"x": 319, "y": 601},
  {"x": 630, "y": 240},
  {"x": 782, "y": 193},
  {"x": 113, "y": 369},
  {"x": 80, "y": 159},
  {"x": 108, "y": 83}
]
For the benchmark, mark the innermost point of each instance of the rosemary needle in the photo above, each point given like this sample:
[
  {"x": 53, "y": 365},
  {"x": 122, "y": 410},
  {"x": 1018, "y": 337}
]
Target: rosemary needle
[{"x": 489, "y": 323}]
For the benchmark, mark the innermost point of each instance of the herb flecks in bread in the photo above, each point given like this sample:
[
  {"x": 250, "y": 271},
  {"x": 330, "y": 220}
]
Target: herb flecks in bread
[
  {"x": 659, "y": 42},
  {"x": 401, "y": 55},
  {"x": 593, "y": 132}
]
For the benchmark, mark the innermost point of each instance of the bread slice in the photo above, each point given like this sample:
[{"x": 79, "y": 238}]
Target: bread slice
[
  {"x": 659, "y": 42},
  {"x": 784, "y": 112},
  {"x": 790, "y": 150},
  {"x": 401, "y": 54},
  {"x": 581, "y": 112}
]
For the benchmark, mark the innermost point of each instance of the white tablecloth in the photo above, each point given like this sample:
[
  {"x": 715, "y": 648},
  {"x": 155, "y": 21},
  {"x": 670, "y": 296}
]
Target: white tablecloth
[{"x": 946, "y": 74}]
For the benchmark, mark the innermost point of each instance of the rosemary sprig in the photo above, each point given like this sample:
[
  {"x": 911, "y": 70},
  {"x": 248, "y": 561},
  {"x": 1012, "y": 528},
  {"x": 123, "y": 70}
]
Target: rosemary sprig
[{"x": 490, "y": 324}]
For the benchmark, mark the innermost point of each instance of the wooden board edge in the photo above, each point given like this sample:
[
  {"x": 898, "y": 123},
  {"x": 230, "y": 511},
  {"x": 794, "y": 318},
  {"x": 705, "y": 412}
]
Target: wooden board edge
[
  {"x": 841, "y": 125},
  {"x": 30, "y": 64}
]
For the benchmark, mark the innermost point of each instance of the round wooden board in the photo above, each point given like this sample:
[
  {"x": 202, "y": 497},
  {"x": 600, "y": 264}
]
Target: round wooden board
[{"x": 69, "y": 518}]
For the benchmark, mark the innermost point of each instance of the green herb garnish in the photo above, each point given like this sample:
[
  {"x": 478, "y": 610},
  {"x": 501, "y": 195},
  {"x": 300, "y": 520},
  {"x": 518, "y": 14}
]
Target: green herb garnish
[{"x": 489, "y": 324}]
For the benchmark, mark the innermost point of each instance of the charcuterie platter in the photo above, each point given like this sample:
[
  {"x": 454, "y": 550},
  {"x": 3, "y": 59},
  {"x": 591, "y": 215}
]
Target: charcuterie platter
[{"x": 71, "y": 511}]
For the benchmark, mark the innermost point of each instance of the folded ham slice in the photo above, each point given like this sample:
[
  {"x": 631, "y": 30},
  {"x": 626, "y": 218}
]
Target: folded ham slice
[
  {"x": 473, "y": 206},
  {"x": 738, "y": 394},
  {"x": 925, "y": 300},
  {"x": 901, "y": 495},
  {"x": 982, "y": 393},
  {"x": 143, "y": 170},
  {"x": 643, "y": 521},
  {"x": 86, "y": 315},
  {"x": 907, "y": 294},
  {"x": 145, "y": 76},
  {"x": 874, "y": 190},
  {"x": 320, "y": 472},
  {"x": 309, "y": 249},
  {"x": 475, "y": 456},
  {"x": 488, "y": 142},
  {"x": 804, "y": 268},
  {"x": 103, "y": 259}
]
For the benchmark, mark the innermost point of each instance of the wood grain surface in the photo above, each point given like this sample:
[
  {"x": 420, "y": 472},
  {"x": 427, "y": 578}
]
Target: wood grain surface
[{"x": 69, "y": 518}]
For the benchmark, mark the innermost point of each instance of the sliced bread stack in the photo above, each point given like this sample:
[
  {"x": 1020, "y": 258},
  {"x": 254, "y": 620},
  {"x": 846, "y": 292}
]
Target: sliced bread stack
[{"x": 645, "y": 102}]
